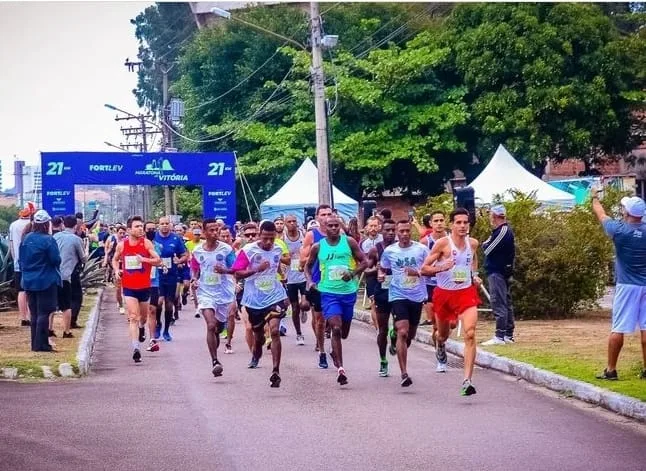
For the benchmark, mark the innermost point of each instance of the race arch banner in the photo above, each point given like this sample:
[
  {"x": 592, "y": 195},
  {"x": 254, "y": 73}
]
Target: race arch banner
[{"x": 214, "y": 171}]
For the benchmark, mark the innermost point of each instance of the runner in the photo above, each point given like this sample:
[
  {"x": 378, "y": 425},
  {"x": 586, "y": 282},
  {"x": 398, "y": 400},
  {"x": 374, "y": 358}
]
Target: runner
[
  {"x": 316, "y": 232},
  {"x": 367, "y": 244},
  {"x": 280, "y": 227},
  {"x": 153, "y": 316},
  {"x": 137, "y": 256},
  {"x": 196, "y": 232},
  {"x": 407, "y": 290},
  {"x": 296, "y": 278},
  {"x": 382, "y": 305},
  {"x": 341, "y": 261},
  {"x": 249, "y": 235},
  {"x": 173, "y": 254},
  {"x": 183, "y": 275},
  {"x": 264, "y": 296},
  {"x": 211, "y": 275},
  {"x": 226, "y": 237},
  {"x": 110, "y": 250},
  {"x": 438, "y": 226},
  {"x": 456, "y": 292}
]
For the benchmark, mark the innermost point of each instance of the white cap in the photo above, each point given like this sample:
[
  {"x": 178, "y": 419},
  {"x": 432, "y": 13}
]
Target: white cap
[
  {"x": 42, "y": 216},
  {"x": 634, "y": 206}
]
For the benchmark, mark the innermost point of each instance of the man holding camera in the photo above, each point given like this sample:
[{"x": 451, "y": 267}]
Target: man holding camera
[{"x": 499, "y": 250}]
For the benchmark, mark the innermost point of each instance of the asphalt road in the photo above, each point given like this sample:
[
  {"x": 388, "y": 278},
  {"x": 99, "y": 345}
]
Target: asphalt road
[{"x": 169, "y": 413}]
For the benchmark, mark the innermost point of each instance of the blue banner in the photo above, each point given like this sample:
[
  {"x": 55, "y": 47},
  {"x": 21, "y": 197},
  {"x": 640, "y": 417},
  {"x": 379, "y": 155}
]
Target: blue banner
[{"x": 215, "y": 172}]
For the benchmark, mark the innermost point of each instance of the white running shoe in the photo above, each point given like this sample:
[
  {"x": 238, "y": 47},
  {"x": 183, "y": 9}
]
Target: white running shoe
[
  {"x": 227, "y": 349},
  {"x": 493, "y": 341},
  {"x": 441, "y": 367},
  {"x": 300, "y": 340}
]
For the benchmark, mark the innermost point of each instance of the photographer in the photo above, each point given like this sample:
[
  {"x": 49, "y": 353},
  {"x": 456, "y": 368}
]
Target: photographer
[{"x": 499, "y": 250}]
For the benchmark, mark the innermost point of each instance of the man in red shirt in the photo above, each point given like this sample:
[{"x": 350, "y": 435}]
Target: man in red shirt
[{"x": 138, "y": 256}]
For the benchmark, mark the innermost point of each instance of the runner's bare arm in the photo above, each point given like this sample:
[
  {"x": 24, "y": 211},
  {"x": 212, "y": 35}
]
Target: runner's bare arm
[
  {"x": 359, "y": 257},
  {"x": 430, "y": 268},
  {"x": 116, "y": 259},
  {"x": 305, "y": 249},
  {"x": 474, "y": 263},
  {"x": 373, "y": 262},
  {"x": 154, "y": 259}
]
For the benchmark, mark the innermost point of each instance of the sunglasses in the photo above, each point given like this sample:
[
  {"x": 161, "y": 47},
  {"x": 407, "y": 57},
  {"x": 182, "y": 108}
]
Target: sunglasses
[{"x": 251, "y": 234}]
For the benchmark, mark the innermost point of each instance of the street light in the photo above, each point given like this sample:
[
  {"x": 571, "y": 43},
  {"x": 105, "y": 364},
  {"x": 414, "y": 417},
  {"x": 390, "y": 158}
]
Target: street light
[
  {"x": 320, "y": 108},
  {"x": 109, "y": 144}
]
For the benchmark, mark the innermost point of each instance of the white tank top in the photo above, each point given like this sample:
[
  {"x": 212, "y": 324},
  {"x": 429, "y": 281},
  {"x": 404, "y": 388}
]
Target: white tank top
[{"x": 458, "y": 277}]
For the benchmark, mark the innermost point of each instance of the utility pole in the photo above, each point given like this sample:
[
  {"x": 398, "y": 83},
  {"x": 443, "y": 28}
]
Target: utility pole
[
  {"x": 167, "y": 139},
  {"x": 320, "y": 108}
]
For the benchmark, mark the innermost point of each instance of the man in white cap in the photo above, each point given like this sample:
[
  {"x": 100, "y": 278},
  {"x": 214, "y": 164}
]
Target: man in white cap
[
  {"x": 629, "y": 304},
  {"x": 499, "y": 250}
]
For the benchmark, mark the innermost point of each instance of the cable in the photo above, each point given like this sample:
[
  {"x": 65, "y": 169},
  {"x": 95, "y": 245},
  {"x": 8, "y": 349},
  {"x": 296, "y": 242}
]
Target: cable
[
  {"x": 244, "y": 80},
  {"x": 243, "y": 180},
  {"x": 244, "y": 192},
  {"x": 331, "y": 8},
  {"x": 252, "y": 116}
]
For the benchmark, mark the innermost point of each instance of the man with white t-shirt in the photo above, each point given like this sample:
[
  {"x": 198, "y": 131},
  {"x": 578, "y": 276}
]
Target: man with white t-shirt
[
  {"x": 16, "y": 231},
  {"x": 211, "y": 262}
]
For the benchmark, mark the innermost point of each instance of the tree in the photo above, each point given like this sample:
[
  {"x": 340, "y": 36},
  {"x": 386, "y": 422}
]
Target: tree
[
  {"x": 162, "y": 30},
  {"x": 547, "y": 80}
]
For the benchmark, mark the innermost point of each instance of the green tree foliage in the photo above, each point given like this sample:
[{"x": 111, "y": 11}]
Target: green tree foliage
[
  {"x": 162, "y": 29},
  {"x": 547, "y": 80}
]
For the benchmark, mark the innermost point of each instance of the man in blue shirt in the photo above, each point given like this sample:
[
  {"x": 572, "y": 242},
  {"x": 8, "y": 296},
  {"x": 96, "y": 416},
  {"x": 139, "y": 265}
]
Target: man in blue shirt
[
  {"x": 173, "y": 253},
  {"x": 629, "y": 304}
]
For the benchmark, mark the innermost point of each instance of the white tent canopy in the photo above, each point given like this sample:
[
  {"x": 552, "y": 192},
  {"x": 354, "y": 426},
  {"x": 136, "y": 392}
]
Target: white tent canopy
[
  {"x": 504, "y": 173},
  {"x": 300, "y": 192}
]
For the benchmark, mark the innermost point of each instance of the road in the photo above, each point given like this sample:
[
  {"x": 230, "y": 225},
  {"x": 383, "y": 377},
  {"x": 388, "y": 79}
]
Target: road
[{"x": 169, "y": 413}]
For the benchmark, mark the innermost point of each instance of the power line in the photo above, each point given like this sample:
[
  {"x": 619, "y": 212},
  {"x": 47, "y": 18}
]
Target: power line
[{"x": 244, "y": 80}]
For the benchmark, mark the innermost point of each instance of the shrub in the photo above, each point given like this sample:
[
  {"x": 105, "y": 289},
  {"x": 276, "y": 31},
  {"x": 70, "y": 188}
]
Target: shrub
[{"x": 562, "y": 257}]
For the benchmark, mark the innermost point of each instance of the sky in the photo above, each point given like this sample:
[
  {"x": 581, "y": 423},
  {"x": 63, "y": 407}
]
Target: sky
[{"x": 59, "y": 63}]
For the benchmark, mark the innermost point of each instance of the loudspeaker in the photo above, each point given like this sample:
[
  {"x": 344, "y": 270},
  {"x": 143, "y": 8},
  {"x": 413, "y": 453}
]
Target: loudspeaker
[
  {"x": 464, "y": 197},
  {"x": 309, "y": 213},
  {"x": 368, "y": 208}
]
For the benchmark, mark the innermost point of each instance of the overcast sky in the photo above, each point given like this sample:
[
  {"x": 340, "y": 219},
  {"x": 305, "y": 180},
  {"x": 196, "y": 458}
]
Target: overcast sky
[{"x": 59, "y": 63}]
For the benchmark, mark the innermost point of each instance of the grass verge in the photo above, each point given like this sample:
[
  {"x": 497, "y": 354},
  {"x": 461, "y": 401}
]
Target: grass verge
[{"x": 15, "y": 343}]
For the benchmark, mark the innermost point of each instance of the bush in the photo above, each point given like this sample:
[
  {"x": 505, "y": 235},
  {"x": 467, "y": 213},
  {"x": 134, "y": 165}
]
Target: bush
[{"x": 562, "y": 257}]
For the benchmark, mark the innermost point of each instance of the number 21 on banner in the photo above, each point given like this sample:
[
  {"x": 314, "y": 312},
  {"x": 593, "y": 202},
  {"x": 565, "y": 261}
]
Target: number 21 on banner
[
  {"x": 54, "y": 168},
  {"x": 216, "y": 169}
]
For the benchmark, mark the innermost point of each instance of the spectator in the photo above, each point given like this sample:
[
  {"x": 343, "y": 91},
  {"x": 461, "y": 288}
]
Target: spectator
[
  {"x": 628, "y": 308},
  {"x": 57, "y": 225},
  {"x": 500, "y": 250},
  {"x": 16, "y": 232},
  {"x": 70, "y": 247},
  {"x": 353, "y": 229},
  {"x": 40, "y": 259}
]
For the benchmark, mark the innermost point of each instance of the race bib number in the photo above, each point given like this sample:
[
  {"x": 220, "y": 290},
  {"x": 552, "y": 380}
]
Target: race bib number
[
  {"x": 265, "y": 283},
  {"x": 336, "y": 273},
  {"x": 132, "y": 262},
  {"x": 167, "y": 261},
  {"x": 295, "y": 265},
  {"x": 153, "y": 273},
  {"x": 460, "y": 275},
  {"x": 387, "y": 280},
  {"x": 212, "y": 279}
]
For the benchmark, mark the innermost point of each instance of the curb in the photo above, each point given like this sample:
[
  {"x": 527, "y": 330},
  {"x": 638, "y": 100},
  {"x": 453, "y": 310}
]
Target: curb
[
  {"x": 84, "y": 352},
  {"x": 624, "y": 405}
]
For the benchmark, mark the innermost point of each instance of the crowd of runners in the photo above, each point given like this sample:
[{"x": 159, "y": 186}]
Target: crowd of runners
[{"x": 260, "y": 273}]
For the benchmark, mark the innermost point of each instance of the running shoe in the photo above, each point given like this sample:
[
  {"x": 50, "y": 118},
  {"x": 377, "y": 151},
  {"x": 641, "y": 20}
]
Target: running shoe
[
  {"x": 441, "y": 367},
  {"x": 217, "y": 368},
  {"x": 467, "y": 388},
  {"x": 122, "y": 311},
  {"x": 323, "y": 361},
  {"x": 274, "y": 380},
  {"x": 342, "y": 378},
  {"x": 167, "y": 337},
  {"x": 224, "y": 334},
  {"x": 303, "y": 317},
  {"x": 153, "y": 346},
  {"x": 253, "y": 363},
  {"x": 440, "y": 353},
  {"x": 609, "y": 375},
  {"x": 383, "y": 369},
  {"x": 300, "y": 340},
  {"x": 493, "y": 341},
  {"x": 227, "y": 349},
  {"x": 406, "y": 381},
  {"x": 158, "y": 331},
  {"x": 136, "y": 356},
  {"x": 142, "y": 335}
]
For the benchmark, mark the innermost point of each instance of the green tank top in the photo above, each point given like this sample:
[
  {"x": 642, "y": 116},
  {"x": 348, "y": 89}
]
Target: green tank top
[{"x": 334, "y": 260}]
